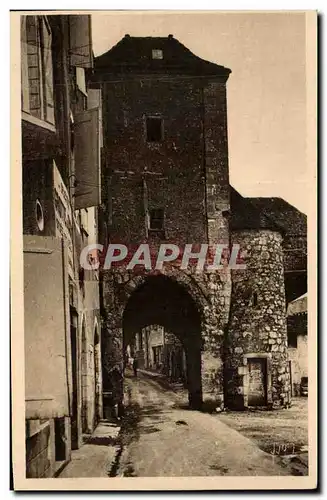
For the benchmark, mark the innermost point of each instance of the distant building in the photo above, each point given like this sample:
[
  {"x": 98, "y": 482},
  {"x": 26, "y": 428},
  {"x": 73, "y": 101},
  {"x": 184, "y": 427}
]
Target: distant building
[
  {"x": 297, "y": 329},
  {"x": 160, "y": 351},
  {"x": 61, "y": 133}
]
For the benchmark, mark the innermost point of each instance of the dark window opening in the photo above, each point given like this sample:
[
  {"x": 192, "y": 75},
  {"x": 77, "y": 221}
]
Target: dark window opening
[
  {"x": 157, "y": 219},
  {"x": 292, "y": 339},
  {"x": 154, "y": 129},
  {"x": 255, "y": 299}
]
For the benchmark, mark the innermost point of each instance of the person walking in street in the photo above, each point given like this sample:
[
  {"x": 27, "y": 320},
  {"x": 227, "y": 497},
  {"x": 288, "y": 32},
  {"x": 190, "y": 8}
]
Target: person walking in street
[{"x": 135, "y": 366}]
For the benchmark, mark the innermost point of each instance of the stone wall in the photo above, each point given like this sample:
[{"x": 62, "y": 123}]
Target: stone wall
[
  {"x": 173, "y": 168},
  {"x": 40, "y": 449},
  {"x": 257, "y": 326},
  {"x": 216, "y": 161},
  {"x": 210, "y": 293}
]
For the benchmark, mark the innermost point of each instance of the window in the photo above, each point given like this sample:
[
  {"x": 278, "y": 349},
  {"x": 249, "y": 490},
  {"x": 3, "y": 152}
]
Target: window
[
  {"x": 292, "y": 339},
  {"x": 255, "y": 299},
  {"x": 157, "y": 219},
  {"x": 37, "y": 70},
  {"x": 157, "y": 54},
  {"x": 154, "y": 129}
]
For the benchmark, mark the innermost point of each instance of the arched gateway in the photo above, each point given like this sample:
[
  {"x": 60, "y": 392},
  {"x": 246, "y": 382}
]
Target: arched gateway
[
  {"x": 177, "y": 301},
  {"x": 165, "y": 179},
  {"x": 161, "y": 300}
]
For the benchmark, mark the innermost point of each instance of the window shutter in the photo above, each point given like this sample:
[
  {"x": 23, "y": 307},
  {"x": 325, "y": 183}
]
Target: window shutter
[
  {"x": 80, "y": 41},
  {"x": 94, "y": 101},
  {"x": 48, "y": 72},
  {"x": 34, "y": 65},
  {"x": 24, "y": 67},
  {"x": 87, "y": 159},
  {"x": 46, "y": 325},
  {"x": 80, "y": 80}
]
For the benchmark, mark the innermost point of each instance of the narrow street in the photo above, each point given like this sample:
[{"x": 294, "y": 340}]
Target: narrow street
[{"x": 162, "y": 437}]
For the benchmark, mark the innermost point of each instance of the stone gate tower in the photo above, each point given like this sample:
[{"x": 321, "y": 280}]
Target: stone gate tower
[{"x": 165, "y": 179}]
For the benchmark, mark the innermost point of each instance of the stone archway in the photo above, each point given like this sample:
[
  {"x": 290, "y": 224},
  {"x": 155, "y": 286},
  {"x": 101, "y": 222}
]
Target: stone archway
[
  {"x": 162, "y": 300},
  {"x": 207, "y": 294}
]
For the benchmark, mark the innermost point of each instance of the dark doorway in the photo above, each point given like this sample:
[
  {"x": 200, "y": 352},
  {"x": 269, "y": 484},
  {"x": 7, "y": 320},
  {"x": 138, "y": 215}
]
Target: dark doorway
[
  {"x": 163, "y": 301},
  {"x": 257, "y": 395},
  {"x": 60, "y": 439},
  {"x": 97, "y": 374},
  {"x": 84, "y": 373},
  {"x": 73, "y": 340}
]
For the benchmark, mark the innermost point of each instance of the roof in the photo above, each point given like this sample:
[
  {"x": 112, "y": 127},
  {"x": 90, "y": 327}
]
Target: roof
[
  {"x": 134, "y": 55},
  {"x": 245, "y": 214},
  {"x": 266, "y": 213},
  {"x": 286, "y": 216},
  {"x": 298, "y": 305}
]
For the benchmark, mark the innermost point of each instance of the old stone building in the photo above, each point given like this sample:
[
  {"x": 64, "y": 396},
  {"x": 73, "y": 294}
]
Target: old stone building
[
  {"x": 62, "y": 331},
  {"x": 165, "y": 178}
]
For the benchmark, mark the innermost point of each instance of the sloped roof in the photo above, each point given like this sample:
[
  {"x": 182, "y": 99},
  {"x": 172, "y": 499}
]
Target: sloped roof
[
  {"x": 298, "y": 305},
  {"x": 289, "y": 218},
  {"x": 266, "y": 213},
  {"x": 134, "y": 55},
  {"x": 245, "y": 214}
]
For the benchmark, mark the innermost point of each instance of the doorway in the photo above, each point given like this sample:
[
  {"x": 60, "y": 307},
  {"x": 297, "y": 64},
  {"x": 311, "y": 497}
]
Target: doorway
[
  {"x": 257, "y": 390},
  {"x": 74, "y": 417}
]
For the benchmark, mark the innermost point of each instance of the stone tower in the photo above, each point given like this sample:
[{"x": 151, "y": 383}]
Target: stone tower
[{"x": 165, "y": 179}]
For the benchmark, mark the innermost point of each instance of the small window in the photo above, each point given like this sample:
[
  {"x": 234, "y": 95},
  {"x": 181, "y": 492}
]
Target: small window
[
  {"x": 157, "y": 54},
  {"x": 154, "y": 129},
  {"x": 255, "y": 299},
  {"x": 157, "y": 219}
]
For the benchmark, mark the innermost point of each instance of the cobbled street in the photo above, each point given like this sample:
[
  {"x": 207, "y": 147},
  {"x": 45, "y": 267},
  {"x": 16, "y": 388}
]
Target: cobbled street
[{"x": 162, "y": 437}]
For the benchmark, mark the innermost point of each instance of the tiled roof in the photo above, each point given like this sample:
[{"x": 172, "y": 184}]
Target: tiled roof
[
  {"x": 298, "y": 306},
  {"x": 245, "y": 215},
  {"x": 266, "y": 213},
  {"x": 134, "y": 55}
]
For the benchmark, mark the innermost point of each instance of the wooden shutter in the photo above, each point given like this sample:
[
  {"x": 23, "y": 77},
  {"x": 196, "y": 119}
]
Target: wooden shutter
[
  {"x": 80, "y": 80},
  {"x": 46, "y": 40},
  {"x": 25, "y": 91},
  {"x": 34, "y": 66},
  {"x": 46, "y": 324},
  {"x": 87, "y": 159},
  {"x": 94, "y": 101},
  {"x": 80, "y": 41}
]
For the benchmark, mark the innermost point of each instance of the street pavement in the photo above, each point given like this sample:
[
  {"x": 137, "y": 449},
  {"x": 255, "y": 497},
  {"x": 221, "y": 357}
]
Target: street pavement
[
  {"x": 161, "y": 437},
  {"x": 96, "y": 458}
]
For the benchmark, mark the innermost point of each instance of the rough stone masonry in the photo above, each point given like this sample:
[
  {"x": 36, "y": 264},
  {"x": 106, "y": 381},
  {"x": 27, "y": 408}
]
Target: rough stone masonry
[{"x": 165, "y": 178}]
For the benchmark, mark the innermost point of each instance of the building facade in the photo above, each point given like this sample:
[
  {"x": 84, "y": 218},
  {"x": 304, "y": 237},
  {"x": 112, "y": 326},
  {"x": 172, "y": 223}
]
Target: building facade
[
  {"x": 165, "y": 179},
  {"x": 297, "y": 325},
  {"x": 161, "y": 351},
  {"x": 61, "y": 141}
]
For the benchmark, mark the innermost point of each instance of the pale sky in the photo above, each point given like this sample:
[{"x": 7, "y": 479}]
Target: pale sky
[{"x": 266, "y": 91}]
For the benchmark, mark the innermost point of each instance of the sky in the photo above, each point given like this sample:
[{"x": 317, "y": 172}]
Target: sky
[{"x": 266, "y": 91}]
